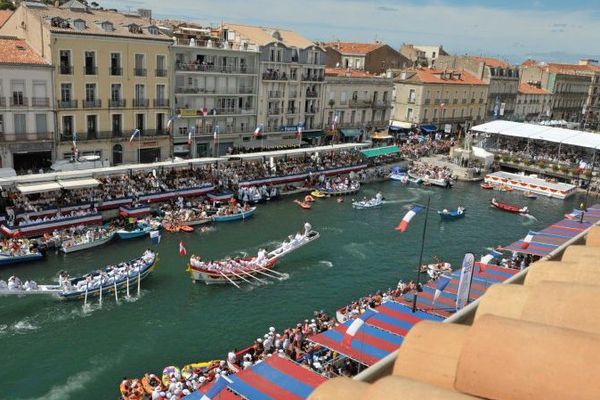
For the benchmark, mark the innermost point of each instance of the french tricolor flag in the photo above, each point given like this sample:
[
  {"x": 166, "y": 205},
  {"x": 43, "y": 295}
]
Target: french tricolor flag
[
  {"x": 258, "y": 130},
  {"x": 134, "y": 134},
  {"x": 573, "y": 214},
  {"x": 355, "y": 326},
  {"x": 182, "y": 249},
  {"x": 488, "y": 258},
  {"x": 527, "y": 240},
  {"x": 408, "y": 217},
  {"x": 442, "y": 282}
]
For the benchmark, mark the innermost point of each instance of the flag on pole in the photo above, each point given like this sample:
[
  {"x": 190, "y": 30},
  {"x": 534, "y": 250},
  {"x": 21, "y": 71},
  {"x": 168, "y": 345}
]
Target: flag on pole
[
  {"x": 190, "y": 133},
  {"x": 573, "y": 214},
  {"x": 155, "y": 237},
  {"x": 335, "y": 121},
  {"x": 170, "y": 124},
  {"x": 355, "y": 326},
  {"x": 300, "y": 128},
  {"x": 464, "y": 285},
  {"x": 258, "y": 130},
  {"x": 527, "y": 240},
  {"x": 134, "y": 134},
  {"x": 182, "y": 250},
  {"x": 487, "y": 259},
  {"x": 74, "y": 140},
  {"x": 217, "y": 387},
  {"x": 216, "y": 133},
  {"x": 403, "y": 225},
  {"x": 442, "y": 282}
]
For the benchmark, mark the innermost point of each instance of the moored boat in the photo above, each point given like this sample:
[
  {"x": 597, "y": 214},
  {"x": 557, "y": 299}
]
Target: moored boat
[
  {"x": 302, "y": 204},
  {"x": 397, "y": 174},
  {"x": 221, "y": 196},
  {"x": 84, "y": 243},
  {"x": 9, "y": 259},
  {"x": 340, "y": 190},
  {"x": 318, "y": 194},
  {"x": 511, "y": 208},
  {"x": 150, "y": 382},
  {"x": 448, "y": 215},
  {"x": 138, "y": 231},
  {"x": 487, "y": 186},
  {"x": 239, "y": 213},
  {"x": 375, "y": 202},
  {"x": 530, "y": 195}
]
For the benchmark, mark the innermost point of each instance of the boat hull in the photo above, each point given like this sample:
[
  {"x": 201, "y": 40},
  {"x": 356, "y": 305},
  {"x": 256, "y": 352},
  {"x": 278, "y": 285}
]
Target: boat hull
[
  {"x": 450, "y": 216},
  {"x": 6, "y": 260},
  {"x": 125, "y": 235},
  {"x": 235, "y": 217},
  {"x": 84, "y": 246},
  {"x": 214, "y": 278}
]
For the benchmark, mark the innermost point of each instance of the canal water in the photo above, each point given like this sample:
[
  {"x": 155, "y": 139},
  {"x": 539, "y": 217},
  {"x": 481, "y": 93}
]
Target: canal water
[{"x": 51, "y": 349}]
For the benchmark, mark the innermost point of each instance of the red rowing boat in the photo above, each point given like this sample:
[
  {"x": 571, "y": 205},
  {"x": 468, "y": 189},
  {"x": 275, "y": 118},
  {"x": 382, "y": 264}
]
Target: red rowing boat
[{"x": 511, "y": 208}]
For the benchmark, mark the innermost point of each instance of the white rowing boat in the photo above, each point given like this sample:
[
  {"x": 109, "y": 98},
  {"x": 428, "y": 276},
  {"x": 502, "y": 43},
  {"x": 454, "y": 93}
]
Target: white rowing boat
[{"x": 72, "y": 245}]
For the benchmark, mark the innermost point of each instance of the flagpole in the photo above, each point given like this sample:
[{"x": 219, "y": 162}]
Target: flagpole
[
  {"x": 139, "y": 146},
  {"x": 414, "y": 305},
  {"x": 587, "y": 192}
]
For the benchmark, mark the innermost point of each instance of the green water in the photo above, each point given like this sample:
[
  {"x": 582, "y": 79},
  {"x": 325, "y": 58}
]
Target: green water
[{"x": 54, "y": 350}]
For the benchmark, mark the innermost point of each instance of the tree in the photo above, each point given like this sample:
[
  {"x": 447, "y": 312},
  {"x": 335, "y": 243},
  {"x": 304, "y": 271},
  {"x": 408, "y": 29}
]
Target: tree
[{"x": 6, "y": 5}]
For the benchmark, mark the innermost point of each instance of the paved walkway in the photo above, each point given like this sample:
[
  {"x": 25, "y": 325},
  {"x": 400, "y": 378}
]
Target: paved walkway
[{"x": 457, "y": 170}]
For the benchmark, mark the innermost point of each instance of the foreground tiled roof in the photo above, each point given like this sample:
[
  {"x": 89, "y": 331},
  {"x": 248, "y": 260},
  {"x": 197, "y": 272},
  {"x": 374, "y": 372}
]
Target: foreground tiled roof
[
  {"x": 572, "y": 68},
  {"x": 428, "y": 75},
  {"x": 16, "y": 51},
  {"x": 4, "y": 16},
  {"x": 492, "y": 62},
  {"x": 262, "y": 36},
  {"x": 347, "y": 72},
  {"x": 353, "y": 48},
  {"x": 525, "y": 88}
]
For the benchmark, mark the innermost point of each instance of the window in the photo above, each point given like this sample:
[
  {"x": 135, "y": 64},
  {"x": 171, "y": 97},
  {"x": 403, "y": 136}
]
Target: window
[
  {"x": 117, "y": 153},
  {"x": 65, "y": 61},
  {"x": 90, "y": 92},
  {"x": 153, "y": 30},
  {"x": 139, "y": 122},
  {"x": 41, "y": 125},
  {"x": 18, "y": 93},
  {"x": 90, "y": 63},
  {"x": 363, "y": 117},
  {"x": 425, "y": 114},
  {"x": 355, "y": 96},
  {"x": 453, "y": 113},
  {"x": 343, "y": 98},
  {"x": 92, "y": 125},
  {"x": 160, "y": 92},
  {"x": 116, "y": 125},
  {"x": 67, "y": 125},
  {"x": 412, "y": 95},
  {"x": 139, "y": 69},
  {"x": 353, "y": 117},
  {"x": 1, "y": 123},
  {"x": 409, "y": 114},
  {"x": 115, "y": 92},
  {"x": 79, "y": 24},
  {"x": 107, "y": 26},
  {"x": 272, "y": 55},
  {"x": 160, "y": 66},
  {"x": 65, "y": 92},
  {"x": 462, "y": 112},
  {"x": 160, "y": 122},
  {"x": 115, "y": 64},
  {"x": 434, "y": 113},
  {"x": 20, "y": 124},
  {"x": 139, "y": 92}
]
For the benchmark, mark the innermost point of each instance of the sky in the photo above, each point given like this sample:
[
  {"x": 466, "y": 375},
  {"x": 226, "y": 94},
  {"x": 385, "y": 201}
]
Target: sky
[{"x": 546, "y": 30}]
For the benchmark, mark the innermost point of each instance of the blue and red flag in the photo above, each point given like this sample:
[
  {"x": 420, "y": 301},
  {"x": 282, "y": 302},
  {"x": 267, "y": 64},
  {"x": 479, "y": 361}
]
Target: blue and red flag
[
  {"x": 355, "y": 326},
  {"x": 403, "y": 225},
  {"x": 442, "y": 282}
]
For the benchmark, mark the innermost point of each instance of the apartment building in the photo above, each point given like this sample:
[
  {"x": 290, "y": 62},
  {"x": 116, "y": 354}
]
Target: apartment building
[
  {"x": 501, "y": 77},
  {"x": 572, "y": 86},
  {"x": 26, "y": 107},
  {"x": 291, "y": 81},
  {"x": 375, "y": 58},
  {"x": 110, "y": 78},
  {"x": 422, "y": 55},
  {"x": 215, "y": 91},
  {"x": 439, "y": 99},
  {"x": 534, "y": 103},
  {"x": 357, "y": 101}
]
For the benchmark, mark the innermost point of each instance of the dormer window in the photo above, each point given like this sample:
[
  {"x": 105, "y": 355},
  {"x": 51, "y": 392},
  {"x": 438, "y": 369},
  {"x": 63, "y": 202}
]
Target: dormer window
[
  {"x": 57, "y": 22},
  {"x": 79, "y": 24},
  {"x": 276, "y": 35},
  {"x": 153, "y": 30},
  {"x": 133, "y": 28},
  {"x": 107, "y": 26}
]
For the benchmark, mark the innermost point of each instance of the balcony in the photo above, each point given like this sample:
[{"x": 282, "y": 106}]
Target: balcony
[
  {"x": 290, "y": 111},
  {"x": 92, "y": 103},
  {"x": 472, "y": 101},
  {"x": 246, "y": 90},
  {"x": 66, "y": 104},
  {"x": 116, "y": 103},
  {"x": 140, "y": 103},
  {"x": 115, "y": 71},
  {"x": 154, "y": 132},
  {"x": 139, "y": 71},
  {"x": 463, "y": 101},
  {"x": 310, "y": 94},
  {"x": 360, "y": 103},
  {"x": 381, "y": 104},
  {"x": 274, "y": 76},
  {"x": 160, "y": 72},
  {"x": 293, "y": 95},
  {"x": 85, "y": 136},
  {"x": 312, "y": 78},
  {"x": 275, "y": 94},
  {"x": 214, "y": 69},
  {"x": 310, "y": 110},
  {"x": 427, "y": 102},
  {"x": 40, "y": 102},
  {"x": 161, "y": 102},
  {"x": 24, "y": 137},
  {"x": 19, "y": 101},
  {"x": 274, "y": 111},
  {"x": 412, "y": 100},
  {"x": 66, "y": 70},
  {"x": 90, "y": 70},
  {"x": 437, "y": 101},
  {"x": 480, "y": 101},
  {"x": 454, "y": 101},
  {"x": 194, "y": 113}
]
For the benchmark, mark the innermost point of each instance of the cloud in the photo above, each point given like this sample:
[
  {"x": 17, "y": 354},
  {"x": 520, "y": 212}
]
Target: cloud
[{"x": 461, "y": 29}]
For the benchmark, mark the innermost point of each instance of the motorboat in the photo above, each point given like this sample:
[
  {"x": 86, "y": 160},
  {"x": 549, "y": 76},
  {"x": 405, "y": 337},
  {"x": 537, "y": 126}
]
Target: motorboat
[
  {"x": 448, "y": 215},
  {"x": 21, "y": 257},
  {"x": 434, "y": 270},
  {"x": 396, "y": 174},
  {"x": 238, "y": 214},
  {"x": 375, "y": 202},
  {"x": 487, "y": 186},
  {"x": 137, "y": 231},
  {"x": 511, "y": 208},
  {"x": 84, "y": 242},
  {"x": 340, "y": 190},
  {"x": 530, "y": 195}
]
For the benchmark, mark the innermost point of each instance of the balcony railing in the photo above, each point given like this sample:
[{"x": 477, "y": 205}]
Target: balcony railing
[
  {"x": 312, "y": 78},
  {"x": 293, "y": 95},
  {"x": 2, "y": 101},
  {"x": 310, "y": 110},
  {"x": 116, "y": 103},
  {"x": 40, "y": 102},
  {"x": 23, "y": 137},
  {"x": 154, "y": 132},
  {"x": 311, "y": 94},
  {"x": 274, "y": 111},
  {"x": 85, "y": 136},
  {"x": 92, "y": 103},
  {"x": 274, "y": 76},
  {"x": 215, "y": 69},
  {"x": 480, "y": 101},
  {"x": 140, "y": 102},
  {"x": 463, "y": 101},
  {"x": 139, "y": 71},
  {"x": 427, "y": 101},
  {"x": 115, "y": 71},
  {"x": 360, "y": 103},
  {"x": 276, "y": 94},
  {"x": 19, "y": 102},
  {"x": 160, "y": 72},
  {"x": 381, "y": 104},
  {"x": 437, "y": 101},
  {"x": 90, "y": 70},
  {"x": 412, "y": 100},
  {"x": 161, "y": 102},
  {"x": 66, "y": 70},
  {"x": 66, "y": 103},
  {"x": 472, "y": 101}
]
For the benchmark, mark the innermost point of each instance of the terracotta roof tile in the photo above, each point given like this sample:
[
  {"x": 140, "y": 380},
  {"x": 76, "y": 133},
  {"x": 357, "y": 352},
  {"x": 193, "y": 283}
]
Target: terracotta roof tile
[
  {"x": 525, "y": 88},
  {"x": 427, "y": 75},
  {"x": 492, "y": 62},
  {"x": 262, "y": 36},
  {"x": 16, "y": 51},
  {"x": 571, "y": 68},
  {"x": 351, "y": 73},
  {"x": 353, "y": 48},
  {"x": 4, "y": 16}
]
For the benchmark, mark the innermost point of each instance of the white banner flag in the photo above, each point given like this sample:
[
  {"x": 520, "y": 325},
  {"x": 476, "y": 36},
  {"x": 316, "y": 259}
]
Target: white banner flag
[{"x": 464, "y": 286}]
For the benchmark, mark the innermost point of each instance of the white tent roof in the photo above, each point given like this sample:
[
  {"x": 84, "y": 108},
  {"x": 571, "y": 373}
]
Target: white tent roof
[
  {"x": 304, "y": 150},
  {"x": 79, "y": 183},
  {"x": 39, "y": 187},
  {"x": 540, "y": 132}
]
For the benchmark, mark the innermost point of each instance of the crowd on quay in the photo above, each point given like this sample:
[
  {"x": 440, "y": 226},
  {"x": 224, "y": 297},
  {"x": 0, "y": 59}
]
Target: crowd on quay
[
  {"x": 417, "y": 146},
  {"x": 17, "y": 247},
  {"x": 428, "y": 171}
]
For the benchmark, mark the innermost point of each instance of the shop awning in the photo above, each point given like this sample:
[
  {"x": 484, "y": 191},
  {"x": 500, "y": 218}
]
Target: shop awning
[
  {"x": 79, "y": 183},
  {"x": 381, "y": 136},
  {"x": 312, "y": 134},
  {"x": 397, "y": 125},
  {"x": 39, "y": 187},
  {"x": 380, "y": 151},
  {"x": 428, "y": 128},
  {"x": 351, "y": 132},
  {"x": 181, "y": 148}
]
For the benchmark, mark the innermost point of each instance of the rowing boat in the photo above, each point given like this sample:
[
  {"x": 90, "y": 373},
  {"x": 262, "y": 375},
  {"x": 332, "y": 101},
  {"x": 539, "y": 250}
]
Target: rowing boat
[
  {"x": 511, "y": 208},
  {"x": 487, "y": 186},
  {"x": 72, "y": 245},
  {"x": 364, "y": 204},
  {"x": 139, "y": 231},
  {"x": 188, "y": 369},
  {"x": 350, "y": 189},
  {"x": 449, "y": 215},
  {"x": 220, "y": 272},
  {"x": 186, "y": 228},
  {"x": 9, "y": 259},
  {"x": 236, "y": 216}
]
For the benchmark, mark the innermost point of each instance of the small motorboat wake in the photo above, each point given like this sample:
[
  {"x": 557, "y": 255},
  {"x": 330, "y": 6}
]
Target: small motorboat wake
[{"x": 375, "y": 202}]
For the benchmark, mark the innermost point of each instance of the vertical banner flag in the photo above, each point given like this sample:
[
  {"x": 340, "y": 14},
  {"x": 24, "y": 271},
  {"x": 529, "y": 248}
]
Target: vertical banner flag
[
  {"x": 74, "y": 140},
  {"x": 170, "y": 125},
  {"x": 190, "y": 134},
  {"x": 488, "y": 259},
  {"x": 216, "y": 133},
  {"x": 134, "y": 134},
  {"x": 355, "y": 326},
  {"x": 155, "y": 237},
  {"x": 403, "y": 225},
  {"x": 464, "y": 286},
  {"x": 299, "y": 131},
  {"x": 335, "y": 121},
  {"x": 182, "y": 250},
  {"x": 442, "y": 282},
  {"x": 258, "y": 130},
  {"x": 527, "y": 240}
]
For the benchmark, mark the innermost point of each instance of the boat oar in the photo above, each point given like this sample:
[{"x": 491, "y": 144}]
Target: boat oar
[
  {"x": 86, "y": 294},
  {"x": 230, "y": 281},
  {"x": 262, "y": 271},
  {"x": 127, "y": 284},
  {"x": 116, "y": 292},
  {"x": 139, "y": 279},
  {"x": 252, "y": 276},
  {"x": 271, "y": 271},
  {"x": 100, "y": 298},
  {"x": 242, "y": 278}
]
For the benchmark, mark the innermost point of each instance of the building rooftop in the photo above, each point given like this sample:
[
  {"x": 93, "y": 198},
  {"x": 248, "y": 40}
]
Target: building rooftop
[
  {"x": 571, "y": 68},
  {"x": 263, "y": 36},
  {"x": 526, "y": 88},
  {"x": 353, "y": 48},
  {"x": 4, "y": 16},
  {"x": 447, "y": 77},
  {"x": 348, "y": 73},
  {"x": 492, "y": 62},
  {"x": 74, "y": 17},
  {"x": 16, "y": 51}
]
